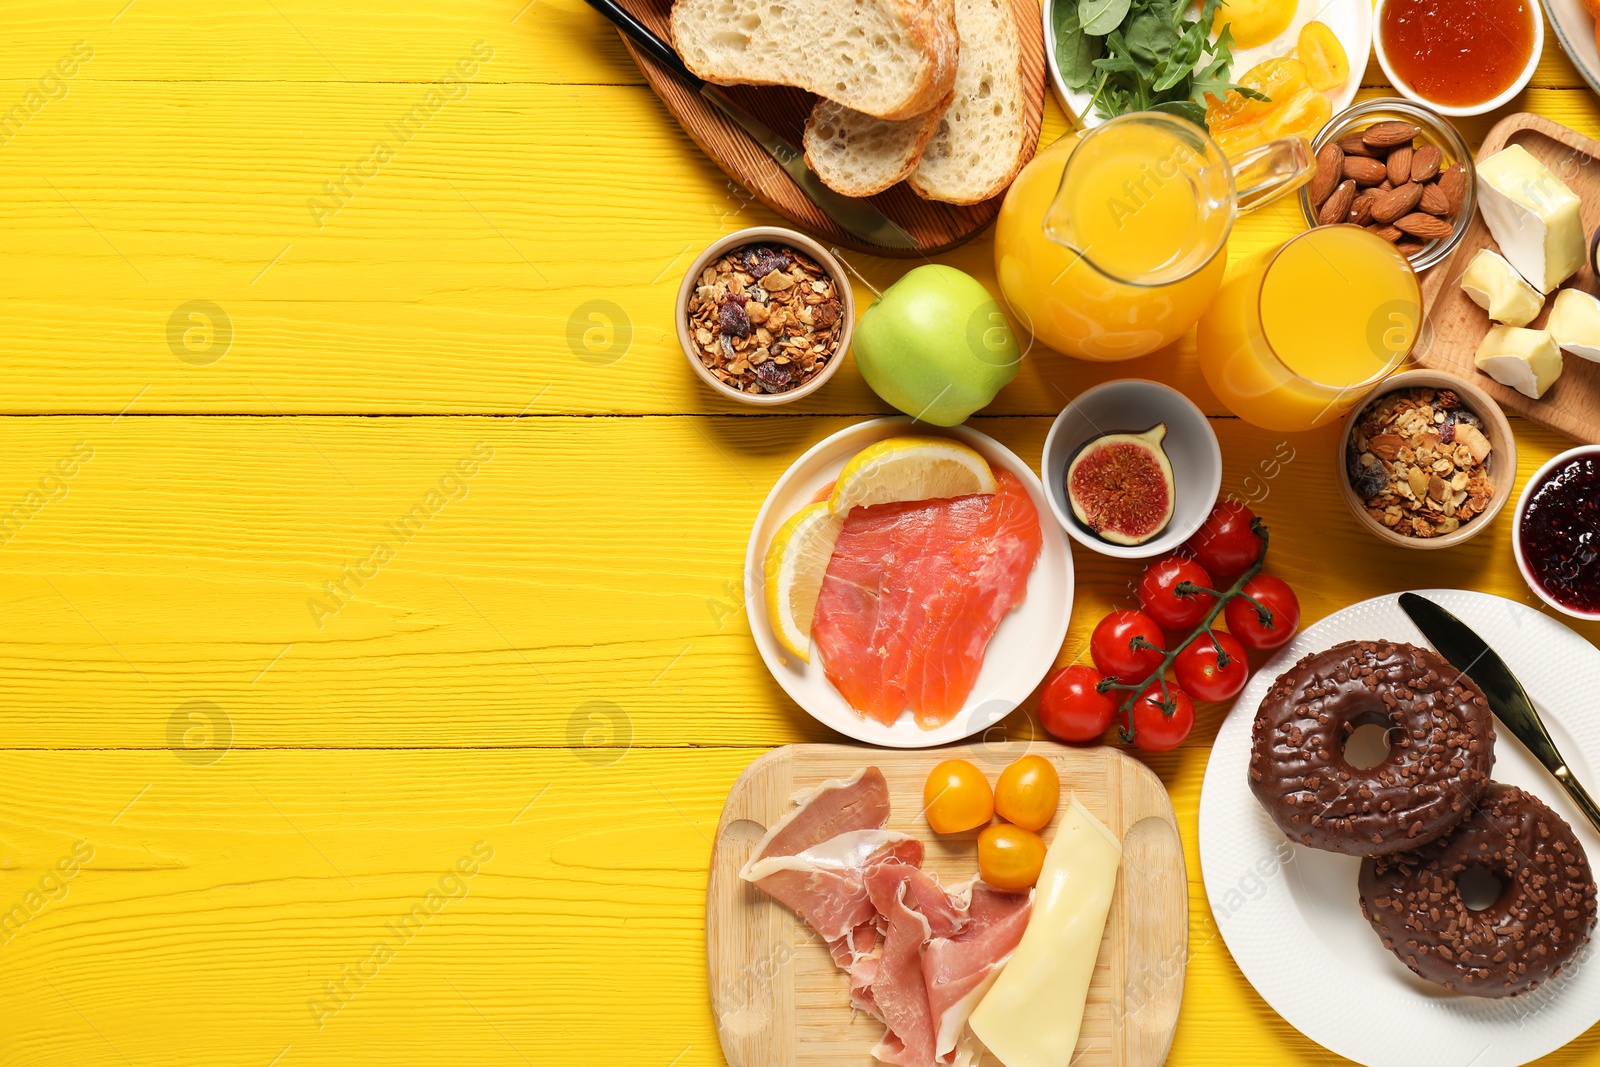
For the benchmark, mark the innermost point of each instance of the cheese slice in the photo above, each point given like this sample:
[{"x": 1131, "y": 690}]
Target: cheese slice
[
  {"x": 1494, "y": 285},
  {"x": 1575, "y": 323},
  {"x": 1532, "y": 216},
  {"x": 1526, "y": 360},
  {"x": 1032, "y": 1014}
]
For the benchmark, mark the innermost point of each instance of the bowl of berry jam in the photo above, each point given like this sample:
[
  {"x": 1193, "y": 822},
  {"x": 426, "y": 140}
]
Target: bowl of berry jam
[{"x": 1556, "y": 535}]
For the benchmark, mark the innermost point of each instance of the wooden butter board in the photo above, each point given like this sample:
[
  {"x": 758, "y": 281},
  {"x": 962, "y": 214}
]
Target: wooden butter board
[
  {"x": 1454, "y": 325},
  {"x": 778, "y": 998},
  {"x": 936, "y": 226}
]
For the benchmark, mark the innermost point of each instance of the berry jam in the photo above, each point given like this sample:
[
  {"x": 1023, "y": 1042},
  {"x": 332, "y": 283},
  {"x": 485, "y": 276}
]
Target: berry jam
[{"x": 1561, "y": 533}]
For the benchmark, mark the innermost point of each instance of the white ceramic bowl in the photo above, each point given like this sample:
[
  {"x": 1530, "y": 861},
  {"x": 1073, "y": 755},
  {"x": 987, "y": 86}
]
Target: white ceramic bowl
[
  {"x": 1020, "y": 653},
  {"x": 1533, "y": 482},
  {"x": 1133, "y": 405},
  {"x": 1476, "y": 109}
]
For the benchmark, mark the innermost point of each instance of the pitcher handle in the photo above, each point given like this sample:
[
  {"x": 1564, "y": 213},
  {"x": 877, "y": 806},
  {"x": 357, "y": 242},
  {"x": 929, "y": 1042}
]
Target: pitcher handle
[{"x": 1266, "y": 172}]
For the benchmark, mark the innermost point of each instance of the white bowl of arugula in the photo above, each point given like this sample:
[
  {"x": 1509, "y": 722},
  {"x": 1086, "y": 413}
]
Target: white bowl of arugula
[{"x": 1110, "y": 57}]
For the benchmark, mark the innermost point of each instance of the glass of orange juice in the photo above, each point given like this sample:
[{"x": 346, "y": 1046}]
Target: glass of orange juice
[
  {"x": 1299, "y": 333},
  {"x": 1112, "y": 241}
]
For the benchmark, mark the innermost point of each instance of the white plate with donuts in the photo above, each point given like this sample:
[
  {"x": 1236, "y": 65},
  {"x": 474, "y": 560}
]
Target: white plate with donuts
[{"x": 1291, "y": 915}]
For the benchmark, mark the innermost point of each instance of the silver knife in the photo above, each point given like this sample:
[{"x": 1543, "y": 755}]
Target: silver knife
[
  {"x": 856, "y": 216},
  {"x": 1468, "y": 653}
]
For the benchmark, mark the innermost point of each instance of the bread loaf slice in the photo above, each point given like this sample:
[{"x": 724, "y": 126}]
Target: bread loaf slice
[
  {"x": 982, "y": 140},
  {"x": 891, "y": 59},
  {"x": 858, "y": 155}
]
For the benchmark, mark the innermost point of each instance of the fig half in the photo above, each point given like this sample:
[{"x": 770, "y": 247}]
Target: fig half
[{"x": 1120, "y": 486}]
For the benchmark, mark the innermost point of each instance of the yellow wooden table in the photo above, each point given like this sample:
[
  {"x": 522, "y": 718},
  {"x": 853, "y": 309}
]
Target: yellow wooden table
[{"x": 376, "y": 662}]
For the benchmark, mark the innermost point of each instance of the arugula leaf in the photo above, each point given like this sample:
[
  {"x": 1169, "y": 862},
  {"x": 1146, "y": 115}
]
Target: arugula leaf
[
  {"x": 1100, "y": 17},
  {"x": 1186, "y": 109},
  {"x": 1076, "y": 51}
]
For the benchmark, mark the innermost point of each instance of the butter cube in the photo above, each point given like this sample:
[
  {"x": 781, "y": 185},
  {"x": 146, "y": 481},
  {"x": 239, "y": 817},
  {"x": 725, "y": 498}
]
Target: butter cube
[
  {"x": 1526, "y": 360},
  {"x": 1494, "y": 285},
  {"x": 1575, "y": 323},
  {"x": 1532, "y": 216}
]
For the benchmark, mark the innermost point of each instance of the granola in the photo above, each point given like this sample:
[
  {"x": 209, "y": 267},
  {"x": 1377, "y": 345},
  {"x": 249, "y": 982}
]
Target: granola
[
  {"x": 765, "y": 319},
  {"x": 1419, "y": 461}
]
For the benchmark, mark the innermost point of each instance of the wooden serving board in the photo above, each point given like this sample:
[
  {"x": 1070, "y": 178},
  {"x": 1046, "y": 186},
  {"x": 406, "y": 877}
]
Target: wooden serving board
[
  {"x": 936, "y": 226},
  {"x": 777, "y": 997},
  {"x": 1455, "y": 325}
]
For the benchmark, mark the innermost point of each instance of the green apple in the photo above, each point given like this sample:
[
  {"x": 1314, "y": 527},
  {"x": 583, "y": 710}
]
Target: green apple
[{"x": 936, "y": 345}]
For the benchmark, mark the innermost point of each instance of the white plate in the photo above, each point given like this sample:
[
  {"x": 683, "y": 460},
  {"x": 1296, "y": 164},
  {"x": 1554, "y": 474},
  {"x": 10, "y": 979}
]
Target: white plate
[
  {"x": 1574, "y": 29},
  {"x": 1350, "y": 21},
  {"x": 1291, "y": 916},
  {"x": 1022, "y": 651}
]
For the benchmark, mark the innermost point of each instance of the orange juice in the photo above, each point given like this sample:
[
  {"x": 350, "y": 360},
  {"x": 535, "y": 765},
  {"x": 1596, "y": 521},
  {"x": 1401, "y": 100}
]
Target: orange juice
[
  {"x": 1148, "y": 234},
  {"x": 1299, "y": 333}
]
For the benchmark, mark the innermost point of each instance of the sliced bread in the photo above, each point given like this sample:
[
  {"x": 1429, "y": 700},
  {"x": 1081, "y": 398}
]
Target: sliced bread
[
  {"x": 892, "y": 59},
  {"x": 858, "y": 155},
  {"x": 982, "y": 140}
]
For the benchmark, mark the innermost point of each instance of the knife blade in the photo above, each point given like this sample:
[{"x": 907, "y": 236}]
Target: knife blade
[
  {"x": 1468, "y": 653},
  {"x": 856, "y": 216}
]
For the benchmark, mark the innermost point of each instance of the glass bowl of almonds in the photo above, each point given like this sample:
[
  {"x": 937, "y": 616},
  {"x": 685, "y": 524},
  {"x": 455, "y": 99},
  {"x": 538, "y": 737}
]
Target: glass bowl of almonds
[
  {"x": 1427, "y": 460},
  {"x": 1398, "y": 169},
  {"x": 765, "y": 315}
]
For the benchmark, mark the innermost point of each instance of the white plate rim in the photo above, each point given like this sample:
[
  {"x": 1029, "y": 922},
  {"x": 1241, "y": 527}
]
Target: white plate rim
[
  {"x": 1293, "y": 970},
  {"x": 1357, "y": 46},
  {"x": 983, "y": 709}
]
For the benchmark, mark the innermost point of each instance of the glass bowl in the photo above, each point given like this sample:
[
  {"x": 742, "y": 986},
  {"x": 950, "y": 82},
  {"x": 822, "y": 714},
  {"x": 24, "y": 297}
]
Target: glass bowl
[{"x": 1437, "y": 131}]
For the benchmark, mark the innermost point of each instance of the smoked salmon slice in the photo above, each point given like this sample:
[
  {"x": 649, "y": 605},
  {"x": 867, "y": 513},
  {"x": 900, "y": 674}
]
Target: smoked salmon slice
[{"x": 915, "y": 591}]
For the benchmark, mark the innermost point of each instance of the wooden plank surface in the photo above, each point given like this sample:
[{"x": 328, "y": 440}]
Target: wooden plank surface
[{"x": 556, "y": 664}]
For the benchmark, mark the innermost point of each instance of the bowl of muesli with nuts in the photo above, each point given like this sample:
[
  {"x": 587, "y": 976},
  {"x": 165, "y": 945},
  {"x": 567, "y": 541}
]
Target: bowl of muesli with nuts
[
  {"x": 1427, "y": 460},
  {"x": 765, "y": 315}
]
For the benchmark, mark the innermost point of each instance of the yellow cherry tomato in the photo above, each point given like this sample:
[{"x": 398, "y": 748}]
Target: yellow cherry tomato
[
  {"x": 1009, "y": 857},
  {"x": 1304, "y": 113},
  {"x": 1327, "y": 65},
  {"x": 957, "y": 797},
  {"x": 1027, "y": 792},
  {"x": 1254, "y": 22},
  {"x": 1277, "y": 79}
]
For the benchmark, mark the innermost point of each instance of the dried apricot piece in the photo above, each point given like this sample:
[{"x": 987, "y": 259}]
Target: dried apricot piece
[{"x": 1327, "y": 65}]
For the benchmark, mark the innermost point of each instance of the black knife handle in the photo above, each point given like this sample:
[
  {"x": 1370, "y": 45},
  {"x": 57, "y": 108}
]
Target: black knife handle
[{"x": 658, "y": 50}]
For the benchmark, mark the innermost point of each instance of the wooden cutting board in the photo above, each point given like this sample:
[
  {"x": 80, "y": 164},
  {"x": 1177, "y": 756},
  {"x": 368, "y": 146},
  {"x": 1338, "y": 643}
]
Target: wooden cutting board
[
  {"x": 1455, "y": 325},
  {"x": 777, "y": 997},
  {"x": 936, "y": 226}
]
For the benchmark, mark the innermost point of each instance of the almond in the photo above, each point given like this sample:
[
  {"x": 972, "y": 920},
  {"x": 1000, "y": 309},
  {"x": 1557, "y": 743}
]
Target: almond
[
  {"x": 1434, "y": 201},
  {"x": 1453, "y": 181},
  {"x": 1409, "y": 247},
  {"x": 1397, "y": 202},
  {"x": 1399, "y": 164},
  {"x": 1365, "y": 171},
  {"x": 1338, "y": 204},
  {"x": 1385, "y": 446},
  {"x": 1390, "y": 134},
  {"x": 1361, "y": 210},
  {"x": 1423, "y": 226},
  {"x": 1351, "y": 144},
  {"x": 1330, "y": 172},
  {"x": 1388, "y": 233},
  {"x": 1425, "y": 162}
]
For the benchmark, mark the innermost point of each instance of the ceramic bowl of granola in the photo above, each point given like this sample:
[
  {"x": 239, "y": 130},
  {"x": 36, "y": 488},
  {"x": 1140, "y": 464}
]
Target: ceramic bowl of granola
[
  {"x": 1427, "y": 460},
  {"x": 765, "y": 315}
]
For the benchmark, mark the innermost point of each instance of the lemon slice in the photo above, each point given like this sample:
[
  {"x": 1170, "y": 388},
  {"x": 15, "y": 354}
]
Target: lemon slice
[
  {"x": 796, "y": 561},
  {"x": 910, "y": 468}
]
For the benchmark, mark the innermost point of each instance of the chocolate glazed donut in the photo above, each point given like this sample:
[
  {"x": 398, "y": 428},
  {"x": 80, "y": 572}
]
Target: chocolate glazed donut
[
  {"x": 1440, "y": 753},
  {"x": 1540, "y": 920}
]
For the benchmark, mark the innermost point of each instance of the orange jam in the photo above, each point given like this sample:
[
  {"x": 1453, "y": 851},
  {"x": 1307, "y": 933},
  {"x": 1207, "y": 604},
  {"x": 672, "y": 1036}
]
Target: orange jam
[{"x": 1458, "y": 53}]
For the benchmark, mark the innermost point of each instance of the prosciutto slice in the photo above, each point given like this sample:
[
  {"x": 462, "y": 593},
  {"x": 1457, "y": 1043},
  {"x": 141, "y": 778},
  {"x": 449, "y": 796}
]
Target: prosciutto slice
[{"x": 958, "y": 970}]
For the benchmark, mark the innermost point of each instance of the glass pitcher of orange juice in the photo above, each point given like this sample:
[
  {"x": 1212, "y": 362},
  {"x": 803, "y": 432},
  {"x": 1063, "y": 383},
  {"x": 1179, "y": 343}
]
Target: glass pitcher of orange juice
[{"x": 1112, "y": 241}]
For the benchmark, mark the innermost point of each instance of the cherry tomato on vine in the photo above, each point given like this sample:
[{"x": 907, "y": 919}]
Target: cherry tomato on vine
[
  {"x": 1072, "y": 709},
  {"x": 1202, "y": 672},
  {"x": 1225, "y": 545},
  {"x": 957, "y": 797},
  {"x": 1274, "y": 594},
  {"x": 1111, "y": 646},
  {"x": 1009, "y": 857},
  {"x": 1158, "y": 593},
  {"x": 1027, "y": 792},
  {"x": 1155, "y": 728}
]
